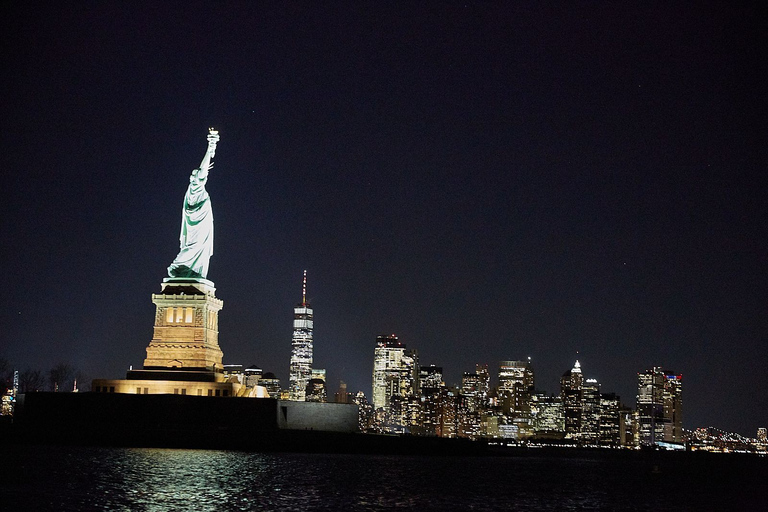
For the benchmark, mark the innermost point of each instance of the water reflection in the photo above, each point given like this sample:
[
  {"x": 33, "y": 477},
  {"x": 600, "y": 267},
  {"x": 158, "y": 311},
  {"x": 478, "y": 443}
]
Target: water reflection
[{"x": 69, "y": 478}]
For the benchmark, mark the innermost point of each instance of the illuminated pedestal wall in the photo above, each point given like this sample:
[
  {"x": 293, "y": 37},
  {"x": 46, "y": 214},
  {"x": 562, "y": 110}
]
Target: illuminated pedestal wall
[
  {"x": 186, "y": 332},
  {"x": 175, "y": 387}
]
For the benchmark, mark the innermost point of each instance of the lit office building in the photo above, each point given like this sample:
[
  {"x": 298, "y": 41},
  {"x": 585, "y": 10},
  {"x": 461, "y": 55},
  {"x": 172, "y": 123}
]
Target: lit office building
[
  {"x": 650, "y": 407},
  {"x": 252, "y": 375},
  {"x": 248, "y": 376},
  {"x": 590, "y": 412},
  {"x": 548, "y": 416},
  {"x": 316, "y": 389},
  {"x": 234, "y": 370},
  {"x": 430, "y": 385},
  {"x": 475, "y": 388},
  {"x": 673, "y": 408},
  {"x": 489, "y": 423},
  {"x": 342, "y": 396},
  {"x": 301, "y": 347},
  {"x": 364, "y": 410},
  {"x": 514, "y": 395},
  {"x": 628, "y": 427},
  {"x": 6, "y": 404},
  {"x": 570, "y": 391},
  {"x": 441, "y": 412},
  {"x": 659, "y": 407},
  {"x": 405, "y": 411},
  {"x": 9, "y": 398},
  {"x": 611, "y": 420},
  {"x": 467, "y": 420},
  {"x": 515, "y": 386},
  {"x": 761, "y": 441},
  {"x": 471, "y": 392},
  {"x": 430, "y": 377},
  {"x": 484, "y": 385},
  {"x": 470, "y": 424},
  {"x": 272, "y": 383},
  {"x": 395, "y": 383}
]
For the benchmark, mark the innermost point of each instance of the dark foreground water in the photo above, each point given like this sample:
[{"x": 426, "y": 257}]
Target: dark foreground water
[{"x": 139, "y": 479}]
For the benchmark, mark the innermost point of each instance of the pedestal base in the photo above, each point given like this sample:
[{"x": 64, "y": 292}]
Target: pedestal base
[{"x": 186, "y": 336}]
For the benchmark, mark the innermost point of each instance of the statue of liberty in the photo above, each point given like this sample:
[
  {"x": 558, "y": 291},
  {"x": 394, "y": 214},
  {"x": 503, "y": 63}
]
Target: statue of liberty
[{"x": 196, "y": 221}]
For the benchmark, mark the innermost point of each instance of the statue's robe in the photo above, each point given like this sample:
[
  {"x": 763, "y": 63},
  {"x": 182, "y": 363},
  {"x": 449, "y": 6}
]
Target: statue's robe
[{"x": 196, "y": 239}]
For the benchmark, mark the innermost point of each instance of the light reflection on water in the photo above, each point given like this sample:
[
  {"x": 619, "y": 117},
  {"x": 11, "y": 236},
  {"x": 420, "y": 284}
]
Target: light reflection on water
[{"x": 137, "y": 479}]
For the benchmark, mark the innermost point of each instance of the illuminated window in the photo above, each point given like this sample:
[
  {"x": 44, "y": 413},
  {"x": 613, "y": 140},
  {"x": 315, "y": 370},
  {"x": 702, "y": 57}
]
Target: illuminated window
[
  {"x": 188, "y": 315},
  {"x": 169, "y": 315}
]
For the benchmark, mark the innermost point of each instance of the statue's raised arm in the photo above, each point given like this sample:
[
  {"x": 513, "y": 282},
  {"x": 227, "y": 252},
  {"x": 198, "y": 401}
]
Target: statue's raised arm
[
  {"x": 206, "y": 165},
  {"x": 196, "y": 239}
]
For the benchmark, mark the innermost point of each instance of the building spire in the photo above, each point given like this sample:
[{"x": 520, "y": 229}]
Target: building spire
[{"x": 304, "y": 290}]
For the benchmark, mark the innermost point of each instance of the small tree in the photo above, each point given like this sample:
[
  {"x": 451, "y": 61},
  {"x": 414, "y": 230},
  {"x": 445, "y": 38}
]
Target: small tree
[
  {"x": 31, "y": 380},
  {"x": 61, "y": 377}
]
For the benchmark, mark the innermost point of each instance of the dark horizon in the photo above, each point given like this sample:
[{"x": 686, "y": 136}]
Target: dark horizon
[{"x": 488, "y": 182}]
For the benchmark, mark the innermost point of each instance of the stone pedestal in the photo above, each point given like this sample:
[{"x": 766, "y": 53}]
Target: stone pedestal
[{"x": 186, "y": 334}]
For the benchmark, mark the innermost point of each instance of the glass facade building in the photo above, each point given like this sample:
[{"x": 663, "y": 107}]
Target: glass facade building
[
  {"x": 659, "y": 407},
  {"x": 300, "y": 371},
  {"x": 395, "y": 384},
  {"x": 571, "y": 384}
]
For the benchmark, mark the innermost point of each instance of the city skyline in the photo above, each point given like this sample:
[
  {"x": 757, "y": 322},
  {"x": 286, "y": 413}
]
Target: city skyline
[
  {"x": 411, "y": 397},
  {"x": 489, "y": 182}
]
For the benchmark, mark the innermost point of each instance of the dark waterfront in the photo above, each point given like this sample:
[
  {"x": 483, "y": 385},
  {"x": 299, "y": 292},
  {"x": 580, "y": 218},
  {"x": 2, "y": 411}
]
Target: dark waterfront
[{"x": 138, "y": 479}]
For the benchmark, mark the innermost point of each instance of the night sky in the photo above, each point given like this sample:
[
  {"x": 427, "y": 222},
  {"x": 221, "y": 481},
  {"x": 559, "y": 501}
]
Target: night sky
[{"x": 486, "y": 181}]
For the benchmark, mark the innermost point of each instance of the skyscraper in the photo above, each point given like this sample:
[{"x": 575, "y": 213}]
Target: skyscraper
[
  {"x": 431, "y": 388},
  {"x": 475, "y": 387},
  {"x": 516, "y": 386},
  {"x": 471, "y": 390},
  {"x": 673, "y": 407},
  {"x": 590, "y": 411},
  {"x": 301, "y": 351},
  {"x": 612, "y": 424},
  {"x": 659, "y": 406},
  {"x": 272, "y": 383},
  {"x": 395, "y": 381},
  {"x": 514, "y": 395},
  {"x": 365, "y": 410},
  {"x": 430, "y": 377},
  {"x": 341, "y": 396},
  {"x": 570, "y": 391},
  {"x": 484, "y": 378},
  {"x": 548, "y": 417},
  {"x": 316, "y": 389}
]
